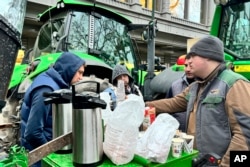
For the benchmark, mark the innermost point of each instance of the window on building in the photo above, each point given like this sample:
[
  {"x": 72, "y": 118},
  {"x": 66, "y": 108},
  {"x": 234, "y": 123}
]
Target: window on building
[
  {"x": 194, "y": 11},
  {"x": 176, "y": 8},
  {"x": 146, "y": 4},
  {"x": 149, "y": 4},
  {"x": 187, "y": 9},
  {"x": 203, "y": 14},
  {"x": 124, "y": 0}
]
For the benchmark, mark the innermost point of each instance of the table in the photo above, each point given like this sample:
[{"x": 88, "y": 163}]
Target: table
[{"x": 65, "y": 160}]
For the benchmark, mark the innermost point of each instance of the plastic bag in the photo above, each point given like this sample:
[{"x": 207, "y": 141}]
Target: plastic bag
[
  {"x": 155, "y": 144},
  {"x": 107, "y": 111},
  {"x": 122, "y": 130}
]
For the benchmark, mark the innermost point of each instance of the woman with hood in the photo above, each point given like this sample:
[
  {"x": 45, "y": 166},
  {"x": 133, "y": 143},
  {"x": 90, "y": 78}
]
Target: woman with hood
[
  {"x": 36, "y": 116},
  {"x": 120, "y": 72}
]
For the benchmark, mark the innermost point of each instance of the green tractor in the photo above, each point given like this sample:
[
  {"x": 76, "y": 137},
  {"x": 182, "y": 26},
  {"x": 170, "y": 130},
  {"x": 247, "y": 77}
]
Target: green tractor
[
  {"x": 92, "y": 32},
  {"x": 98, "y": 35},
  {"x": 231, "y": 24},
  {"x": 101, "y": 37}
]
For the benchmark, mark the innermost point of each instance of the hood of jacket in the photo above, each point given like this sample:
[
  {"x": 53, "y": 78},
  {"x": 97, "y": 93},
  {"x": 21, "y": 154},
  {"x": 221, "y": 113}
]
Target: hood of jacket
[
  {"x": 119, "y": 70},
  {"x": 67, "y": 65}
]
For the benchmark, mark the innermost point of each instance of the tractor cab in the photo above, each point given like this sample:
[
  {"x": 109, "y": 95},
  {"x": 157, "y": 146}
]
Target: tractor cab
[{"x": 96, "y": 34}]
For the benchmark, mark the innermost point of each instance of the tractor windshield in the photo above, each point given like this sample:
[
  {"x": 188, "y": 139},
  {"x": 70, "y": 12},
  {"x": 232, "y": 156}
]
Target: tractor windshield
[
  {"x": 90, "y": 33},
  {"x": 101, "y": 36},
  {"x": 235, "y": 29}
]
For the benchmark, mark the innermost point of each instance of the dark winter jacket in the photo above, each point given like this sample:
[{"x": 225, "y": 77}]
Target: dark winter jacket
[{"x": 36, "y": 117}]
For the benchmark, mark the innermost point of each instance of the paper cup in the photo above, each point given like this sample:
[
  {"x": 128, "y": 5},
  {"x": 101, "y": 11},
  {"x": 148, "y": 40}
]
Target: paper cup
[
  {"x": 177, "y": 147},
  {"x": 188, "y": 143}
]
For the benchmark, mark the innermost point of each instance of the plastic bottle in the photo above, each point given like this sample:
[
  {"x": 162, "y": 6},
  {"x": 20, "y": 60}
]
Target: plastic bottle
[
  {"x": 146, "y": 121},
  {"x": 120, "y": 92}
]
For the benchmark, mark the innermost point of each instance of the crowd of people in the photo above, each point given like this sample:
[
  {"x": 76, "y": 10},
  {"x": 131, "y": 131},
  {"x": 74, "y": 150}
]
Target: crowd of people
[
  {"x": 216, "y": 104},
  {"x": 210, "y": 101}
]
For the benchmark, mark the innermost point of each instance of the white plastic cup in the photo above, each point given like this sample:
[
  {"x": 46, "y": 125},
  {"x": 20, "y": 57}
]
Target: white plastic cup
[
  {"x": 188, "y": 143},
  {"x": 177, "y": 144}
]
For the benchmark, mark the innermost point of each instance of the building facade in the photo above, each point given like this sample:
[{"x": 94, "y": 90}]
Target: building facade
[{"x": 177, "y": 21}]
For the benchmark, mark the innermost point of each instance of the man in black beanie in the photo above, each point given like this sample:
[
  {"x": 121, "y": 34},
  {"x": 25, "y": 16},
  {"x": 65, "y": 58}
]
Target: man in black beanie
[{"x": 217, "y": 103}]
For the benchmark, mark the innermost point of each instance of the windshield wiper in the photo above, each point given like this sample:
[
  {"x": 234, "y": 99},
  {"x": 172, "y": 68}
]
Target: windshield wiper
[{"x": 94, "y": 52}]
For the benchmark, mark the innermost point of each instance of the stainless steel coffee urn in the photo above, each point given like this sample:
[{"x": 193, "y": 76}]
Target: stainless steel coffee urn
[
  {"x": 87, "y": 132},
  {"x": 61, "y": 114}
]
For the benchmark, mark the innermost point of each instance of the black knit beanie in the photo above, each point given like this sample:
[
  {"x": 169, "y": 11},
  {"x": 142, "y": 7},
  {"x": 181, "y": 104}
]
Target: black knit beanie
[{"x": 209, "y": 47}]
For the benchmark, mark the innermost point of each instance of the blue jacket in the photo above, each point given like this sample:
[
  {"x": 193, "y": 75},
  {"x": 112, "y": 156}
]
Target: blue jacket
[{"x": 36, "y": 117}]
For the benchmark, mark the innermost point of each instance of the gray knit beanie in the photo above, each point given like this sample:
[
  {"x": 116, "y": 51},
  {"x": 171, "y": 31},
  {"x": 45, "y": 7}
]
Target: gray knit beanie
[
  {"x": 210, "y": 47},
  {"x": 119, "y": 70}
]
